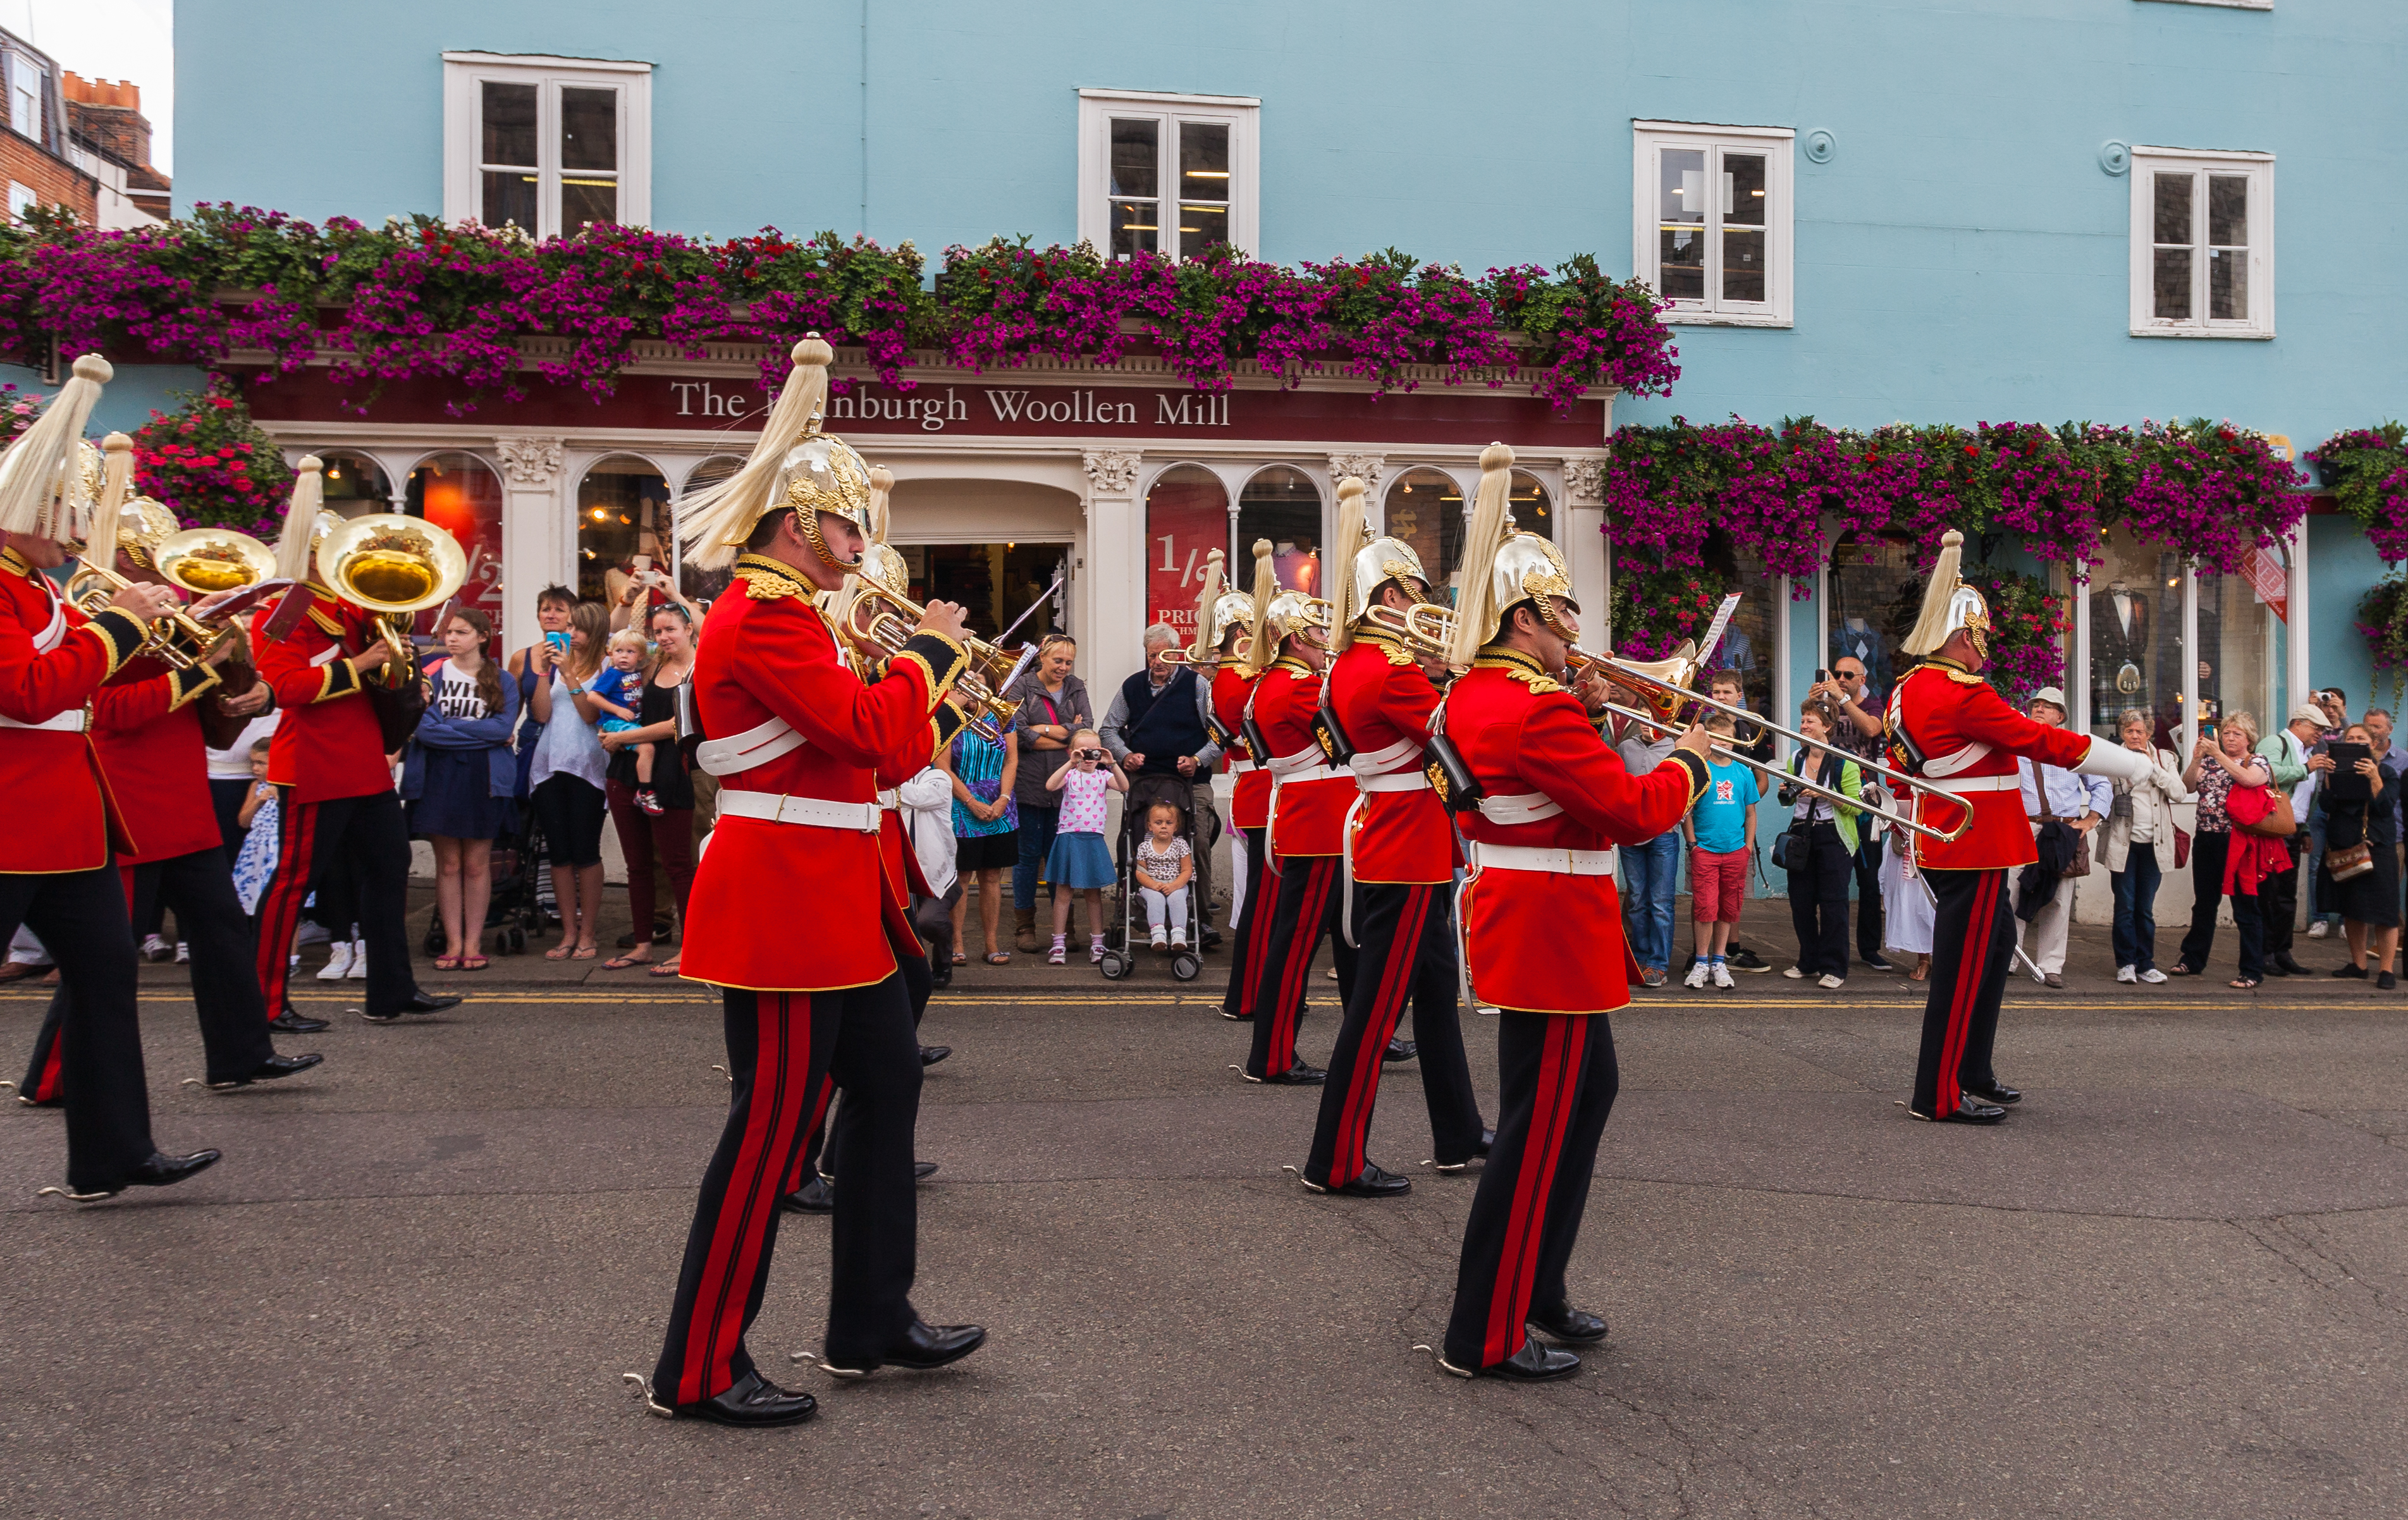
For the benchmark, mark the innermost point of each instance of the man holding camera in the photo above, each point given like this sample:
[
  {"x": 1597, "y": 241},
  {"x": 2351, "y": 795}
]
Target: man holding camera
[{"x": 1858, "y": 728}]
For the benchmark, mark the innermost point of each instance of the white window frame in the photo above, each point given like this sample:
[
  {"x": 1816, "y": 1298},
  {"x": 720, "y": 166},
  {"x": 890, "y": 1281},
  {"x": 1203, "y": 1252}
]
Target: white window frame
[
  {"x": 1240, "y": 114},
  {"x": 1650, "y": 139},
  {"x": 2229, "y": 4},
  {"x": 2147, "y": 163},
  {"x": 465, "y": 73}
]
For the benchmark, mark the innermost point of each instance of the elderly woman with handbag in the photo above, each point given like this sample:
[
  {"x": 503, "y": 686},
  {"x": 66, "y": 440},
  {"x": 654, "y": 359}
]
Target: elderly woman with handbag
[
  {"x": 2237, "y": 808},
  {"x": 2361, "y": 866},
  {"x": 2139, "y": 823}
]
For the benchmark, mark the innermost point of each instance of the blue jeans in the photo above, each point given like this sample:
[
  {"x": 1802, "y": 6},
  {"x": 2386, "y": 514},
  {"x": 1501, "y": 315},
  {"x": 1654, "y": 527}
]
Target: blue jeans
[
  {"x": 2136, "y": 918},
  {"x": 1651, "y": 874},
  {"x": 1035, "y": 843}
]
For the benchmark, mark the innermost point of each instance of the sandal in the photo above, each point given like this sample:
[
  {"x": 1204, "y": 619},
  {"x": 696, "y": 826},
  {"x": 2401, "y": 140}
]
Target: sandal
[
  {"x": 619, "y": 963},
  {"x": 474, "y": 963},
  {"x": 961, "y": 957},
  {"x": 2243, "y": 983},
  {"x": 2178, "y": 969},
  {"x": 998, "y": 957},
  {"x": 584, "y": 952},
  {"x": 446, "y": 963},
  {"x": 558, "y": 953},
  {"x": 666, "y": 969}
]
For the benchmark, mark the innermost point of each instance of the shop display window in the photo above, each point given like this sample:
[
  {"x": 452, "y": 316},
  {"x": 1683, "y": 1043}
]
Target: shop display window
[
  {"x": 622, "y": 512},
  {"x": 460, "y": 494},
  {"x": 1282, "y": 504},
  {"x": 702, "y": 586},
  {"x": 1186, "y": 518},
  {"x": 1424, "y": 510},
  {"x": 2243, "y": 645},
  {"x": 1533, "y": 510},
  {"x": 2134, "y": 603}
]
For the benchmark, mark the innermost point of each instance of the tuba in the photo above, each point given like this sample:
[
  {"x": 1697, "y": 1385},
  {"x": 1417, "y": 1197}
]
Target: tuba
[{"x": 397, "y": 567}]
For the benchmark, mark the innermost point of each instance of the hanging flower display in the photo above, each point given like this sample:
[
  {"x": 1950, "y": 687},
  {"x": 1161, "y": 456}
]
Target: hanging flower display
[
  {"x": 2383, "y": 622},
  {"x": 211, "y": 465},
  {"x": 2368, "y": 470},
  {"x": 2027, "y": 628},
  {"x": 1653, "y": 613}
]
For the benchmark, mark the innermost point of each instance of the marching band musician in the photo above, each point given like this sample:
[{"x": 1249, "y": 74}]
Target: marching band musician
[
  {"x": 1306, "y": 837},
  {"x": 796, "y": 736},
  {"x": 1952, "y": 729},
  {"x": 327, "y": 760},
  {"x": 147, "y": 733},
  {"x": 55, "y": 874},
  {"x": 1223, "y": 620},
  {"x": 1401, "y": 860},
  {"x": 1553, "y": 801}
]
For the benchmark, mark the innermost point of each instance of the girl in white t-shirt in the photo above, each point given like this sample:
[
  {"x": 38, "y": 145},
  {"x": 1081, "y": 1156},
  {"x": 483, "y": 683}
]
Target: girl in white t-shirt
[{"x": 1165, "y": 866}]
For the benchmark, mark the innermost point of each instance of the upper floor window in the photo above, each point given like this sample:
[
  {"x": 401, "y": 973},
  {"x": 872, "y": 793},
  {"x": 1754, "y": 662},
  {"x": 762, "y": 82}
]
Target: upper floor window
[
  {"x": 2203, "y": 244},
  {"x": 1711, "y": 219},
  {"x": 1163, "y": 174},
  {"x": 551, "y": 144}
]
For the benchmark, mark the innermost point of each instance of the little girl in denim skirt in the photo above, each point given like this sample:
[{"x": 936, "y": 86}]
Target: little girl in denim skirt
[{"x": 1081, "y": 862}]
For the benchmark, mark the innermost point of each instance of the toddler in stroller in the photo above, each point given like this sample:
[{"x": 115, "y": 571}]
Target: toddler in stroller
[{"x": 1164, "y": 873}]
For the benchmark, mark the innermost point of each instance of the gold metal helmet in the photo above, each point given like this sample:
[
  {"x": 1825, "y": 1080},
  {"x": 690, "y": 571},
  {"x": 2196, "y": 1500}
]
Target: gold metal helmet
[
  {"x": 142, "y": 525},
  {"x": 1950, "y": 605},
  {"x": 1293, "y": 613},
  {"x": 794, "y": 464},
  {"x": 1503, "y": 568},
  {"x": 885, "y": 571},
  {"x": 1231, "y": 610}
]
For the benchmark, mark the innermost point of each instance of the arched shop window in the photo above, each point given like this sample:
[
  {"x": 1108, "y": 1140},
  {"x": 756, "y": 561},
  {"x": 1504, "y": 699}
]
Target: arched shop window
[
  {"x": 460, "y": 494},
  {"x": 1282, "y": 504},
  {"x": 1534, "y": 510},
  {"x": 621, "y": 505},
  {"x": 2244, "y": 645},
  {"x": 1424, "y": 510},
  {"x": 702, "y": 586},
  {"x": 355, "y": 485},
  {"x": 2136, "y": 636},
  {"x": 1186, "y": 518}
]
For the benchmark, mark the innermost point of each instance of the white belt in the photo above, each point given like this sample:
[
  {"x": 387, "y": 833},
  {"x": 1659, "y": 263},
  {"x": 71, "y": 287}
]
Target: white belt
[
  {"x": 75, "y": 720},
  {"x": 1318, "y": 773},
  {"x": 1286, "y": 767},
  {"x": 1521, "y": 808},
  {"x": 1956, "y": 760},
  {"x": 1534, "y": 857},
  {"x": 1973, "y": 783},
  {"x": 755, "y": 746},
  {"x": 814, "y": 812},
  {"x": 1402, "y": 754},
  {"x": 889, "y": 799},
  {"x": 1400, "y": 780},
  {"x": 1239, "y": 768}
]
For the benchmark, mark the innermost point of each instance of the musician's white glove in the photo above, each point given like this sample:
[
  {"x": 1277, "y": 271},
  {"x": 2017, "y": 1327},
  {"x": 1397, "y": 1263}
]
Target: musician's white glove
[{"x": 2112, "y": 760}]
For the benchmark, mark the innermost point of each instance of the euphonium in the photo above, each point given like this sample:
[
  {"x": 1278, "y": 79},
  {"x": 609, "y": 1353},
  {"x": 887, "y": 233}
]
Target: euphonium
[{"x": 397, "y": 567}]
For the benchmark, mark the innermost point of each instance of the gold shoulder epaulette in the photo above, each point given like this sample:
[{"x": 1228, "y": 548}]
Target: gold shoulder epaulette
[
  {"x": 1964, "y": 677},
  {"x": 1396, "y": 656},
  {"x": 766, "y": 580}
]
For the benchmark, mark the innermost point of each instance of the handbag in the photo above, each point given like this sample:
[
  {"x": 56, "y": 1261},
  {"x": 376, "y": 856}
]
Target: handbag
[
  {"x": 1788, "y": 850},
  {"x": 2280, "y": 822},
  {"x": 2181, "y": 847},
  {"x": 2080, "y": 864},
  {"x": 2350, "y": 860}
]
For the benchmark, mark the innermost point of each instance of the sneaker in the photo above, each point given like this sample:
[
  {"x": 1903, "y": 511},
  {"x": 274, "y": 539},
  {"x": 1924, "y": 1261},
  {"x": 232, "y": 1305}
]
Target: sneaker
[
  {"x": 1096, "y": 948},
  {"x": 2153, "y": 976},
  {"x": 1179, "y": 938},
  {"x": 2385, "y": 981},
  {"x": 359, "y": 972},
  {"x": 2319, "y": 929},
  {"x": 1161, "y": 940},
  {"x": 1747, "y": 960},
  {"x": 339, "y": 963},
  {"x": 312, "y": 934},
  {"x": 1878, "y": 964},
  {"x": 1696, "y": 977},
  {"x": 646, "y": 799},
  {"x": 155, "y": 948},
  {"x": 1722, "y": 975},
  {"x": 2125, "y": 973},
  {"x": 1795, "y": 973},
  {"x": 1057, "y": 955},
  {"x": 1829, "y": 982},
  {"x": 1651, "y": 977},
  {"x": 183, "y": 952}
]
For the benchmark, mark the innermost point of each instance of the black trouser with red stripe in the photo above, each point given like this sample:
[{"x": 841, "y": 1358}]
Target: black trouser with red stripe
[
  {"x": 782, "y": 1049},
  {"x": 316, "y": 836},
  {"x": 1557, "y": 1080},
  {"x": 1973, "y": 947},
  {"x": 919, "y": 982},
  {"x": 80, "y": 917},
  {"x": 1245, "y": 966},
  {"x": 199, "y": 888},
  {"x": 1306, "y": 900},
  {"x": 1404, "y": 943}
]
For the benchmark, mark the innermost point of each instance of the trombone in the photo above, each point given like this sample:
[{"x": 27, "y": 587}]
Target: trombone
[
  {"x": 987, "y": 712},
  {"x": 1663, "y": 686}
]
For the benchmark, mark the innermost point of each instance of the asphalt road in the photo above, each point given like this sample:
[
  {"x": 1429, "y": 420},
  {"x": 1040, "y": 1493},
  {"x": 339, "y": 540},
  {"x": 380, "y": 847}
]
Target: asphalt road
[{"x": 2173, "y": 1285}]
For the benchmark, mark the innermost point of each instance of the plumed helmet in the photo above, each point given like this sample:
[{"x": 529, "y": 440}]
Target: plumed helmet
[
  {"x": 1950, "y": 605},
  {"x": 795, "y": 465},
  {"x": 1292, "y": 612},
  {"x": 1502, "y": 567},
  {"x": 50, "y": 476},
  {"x": 1231, "y": 610},
  {"x": 884, "y": 570},
  {"x": 1381, "y": 561}
]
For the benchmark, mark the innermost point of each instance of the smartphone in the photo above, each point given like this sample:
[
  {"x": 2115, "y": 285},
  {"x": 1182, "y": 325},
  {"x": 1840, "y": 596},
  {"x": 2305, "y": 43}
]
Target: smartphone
[
  {"x": 559, "y": 642},
  {"x": 2207, "y": 731},
  {"x": 642, "y": 563},
  {"x": 1822, "y": 676}
]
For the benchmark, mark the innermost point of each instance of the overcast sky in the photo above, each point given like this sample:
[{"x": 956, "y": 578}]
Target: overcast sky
[{"x": 111, "y": 40}]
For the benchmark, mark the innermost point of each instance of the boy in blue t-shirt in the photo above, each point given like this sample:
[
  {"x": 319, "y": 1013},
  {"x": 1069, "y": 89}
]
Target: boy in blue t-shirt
[{"x": 1722, "y": 838}]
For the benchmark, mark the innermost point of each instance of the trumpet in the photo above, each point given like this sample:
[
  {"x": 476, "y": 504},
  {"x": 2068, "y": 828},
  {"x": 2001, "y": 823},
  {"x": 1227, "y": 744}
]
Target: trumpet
[
  {"x": 178, "y": 639},
  {"x": 1663, "y": 686},
  {"x": 397, "y": 567},
  {"x": 979, "y": 690}
]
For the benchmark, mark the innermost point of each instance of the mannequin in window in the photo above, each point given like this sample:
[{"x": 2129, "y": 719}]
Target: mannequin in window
[{"x": 2122, "y": 624}]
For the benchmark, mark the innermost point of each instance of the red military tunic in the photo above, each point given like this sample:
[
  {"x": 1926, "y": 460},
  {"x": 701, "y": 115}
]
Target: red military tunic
[
  {"x": 327, "y": 745},
  {"x": 1310, "y": 800},
  {"x": 1970, "y": 737},
  {"x": 147, "y": 727},
  {"x": 1250, "y": 797},
  {"x": 52, "y": 661},
  {"x": 799, "y": 906},
  {"x": 1547, "y": 941},
  {"x": 1384, "y": 702}
]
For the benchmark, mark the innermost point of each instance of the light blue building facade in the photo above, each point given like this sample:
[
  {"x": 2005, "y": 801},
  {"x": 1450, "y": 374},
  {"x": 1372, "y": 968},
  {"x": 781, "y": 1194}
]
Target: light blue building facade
[{"x": 1998, "y": 210}]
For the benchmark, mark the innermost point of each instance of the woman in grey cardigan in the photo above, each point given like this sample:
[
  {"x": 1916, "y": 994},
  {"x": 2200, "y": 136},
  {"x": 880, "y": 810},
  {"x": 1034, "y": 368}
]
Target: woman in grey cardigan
[
  {"x": 1053, "y": 705},
  {"x": 2138, "y": 846}
]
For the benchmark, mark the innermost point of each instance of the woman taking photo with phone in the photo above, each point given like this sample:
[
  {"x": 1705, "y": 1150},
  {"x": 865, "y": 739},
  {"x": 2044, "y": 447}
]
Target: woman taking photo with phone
[
  {"x": 658, "y": 841},
  {"x": 2220, "y": 762},
  {"x": 565, "y": 776}
]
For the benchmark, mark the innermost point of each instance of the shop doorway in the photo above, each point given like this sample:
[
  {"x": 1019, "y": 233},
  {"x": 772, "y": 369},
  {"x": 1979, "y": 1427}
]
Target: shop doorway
[{"x": 995, "y": 583}]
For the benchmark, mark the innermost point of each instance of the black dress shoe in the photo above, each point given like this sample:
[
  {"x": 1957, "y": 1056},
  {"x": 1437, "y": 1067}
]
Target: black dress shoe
[
  {"x": 942, "y": 976},
  {"x": 1377, "y": 1181},
  {"x": 1479, "y": 1151},
  {"x": 2358, "y": 971},
  {"x": 923, "y": 1348},
  {"x": 1298, "y": 1075},
  {"x": 1996, "y": 1092},
  {"x": 1237, "y": 1018},
  {"x": 750, "y": 1400},
  {"x": 420, "y": 1002},
  {"x": 1536, "y": 1362},
  {"x": 816, "y": 1197},
  {"x": 2288, "y": 966},
  {"x": 1564, "y": 1322},
  {"x": 931, "y": 1054},
  {"x": 163, "y": 1170},
  {"x": 1966, "y": 1112},
  {"x": 291, "y": 1023},
  {"x": 922, "y": 1170},
  {"x": 267, "y": 1070},
  {"x": 2274, "y": 967},
  {"x": 1400, "y": 1050}
]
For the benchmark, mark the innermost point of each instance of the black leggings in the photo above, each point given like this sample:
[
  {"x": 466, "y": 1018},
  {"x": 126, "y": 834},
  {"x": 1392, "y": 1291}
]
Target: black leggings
[{"x": 571, "y": 812}]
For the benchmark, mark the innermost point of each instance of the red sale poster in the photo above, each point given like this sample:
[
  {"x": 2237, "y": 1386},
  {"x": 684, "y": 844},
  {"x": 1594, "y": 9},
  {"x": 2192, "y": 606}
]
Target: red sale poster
[{"x": 1185, "y": 521}]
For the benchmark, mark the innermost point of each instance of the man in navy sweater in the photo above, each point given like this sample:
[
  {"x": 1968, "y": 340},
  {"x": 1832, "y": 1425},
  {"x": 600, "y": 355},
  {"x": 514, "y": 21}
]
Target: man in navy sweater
[{"x": 1158, "y": 728}]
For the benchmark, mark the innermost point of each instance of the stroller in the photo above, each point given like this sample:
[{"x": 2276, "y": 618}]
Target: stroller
[
  {"x": 512, "y": 912},
  {"x": 1120, "y": 935}
]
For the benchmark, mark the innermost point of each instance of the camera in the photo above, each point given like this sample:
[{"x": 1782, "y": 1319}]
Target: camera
[{"x": 1091, "y": 754}]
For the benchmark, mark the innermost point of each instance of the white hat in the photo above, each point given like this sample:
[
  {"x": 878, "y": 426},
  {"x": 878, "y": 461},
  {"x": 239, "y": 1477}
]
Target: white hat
[
  {"x": 2309, "y": 712},
  {"x": 2053, "y": 696}
]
